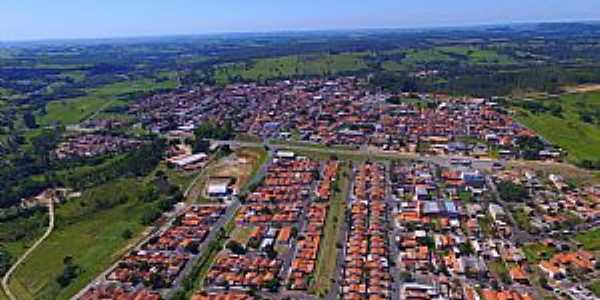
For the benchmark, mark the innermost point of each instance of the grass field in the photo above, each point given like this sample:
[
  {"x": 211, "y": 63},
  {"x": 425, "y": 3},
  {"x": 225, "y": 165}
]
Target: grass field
[
  {"x": 590, "y": 239},
  {"x": 580, "y": 139},
  {"x": 450, "y": 54},
  {"x": 74, "y": 110},
  {"x": 326, "y": 261},
  {"x": 535, "y": 252},
  {"x": 289, "y": 66},
  {"x": 479, "y": 56},
  {"x": 522, "y": 220},
  {"x": 92, "y": 238},
  {"x": 416, "y": 56}
]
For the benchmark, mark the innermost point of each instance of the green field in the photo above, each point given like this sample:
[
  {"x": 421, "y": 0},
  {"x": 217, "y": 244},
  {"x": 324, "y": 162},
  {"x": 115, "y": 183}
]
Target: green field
[
  {"x": 523, "y": 220},
  {"x": 473, "y": 56},
  {"x": 590, "y": 239},
  {"x": 326, "y": 261},
  {"x": 289, "y": 66},
  {"x": 535, "y": 252},
  {"x": 92, "y": 237},
  {"x": 580, "y": 139},
  {"x": 417, "y": 56},
  {"x": 74, "y": 110},
  {"x": 479, "y": 56}
]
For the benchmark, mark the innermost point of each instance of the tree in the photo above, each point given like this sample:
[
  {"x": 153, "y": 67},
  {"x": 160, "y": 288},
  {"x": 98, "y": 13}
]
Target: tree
[
  {"x": 530, "y": 147},
  {"x": 201, "y": 145},
  {"x": 272, "y": 285},
  {"x": 126, "y": 234},
  {"x": 236, "y": 247},
  {"x": 69, "y": 272},
  {"x": 29, "y": 120},
  {"x": 5, "y": 261},
  {"x": 513, "y": 192}
]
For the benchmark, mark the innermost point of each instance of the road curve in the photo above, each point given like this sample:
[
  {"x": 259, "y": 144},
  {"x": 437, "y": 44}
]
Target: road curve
[{"x": 23, "y": 257}]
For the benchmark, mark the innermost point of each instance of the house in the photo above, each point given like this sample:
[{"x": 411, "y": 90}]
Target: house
[
  {"x": 517, "y": 274},
  {"x": 496, "y": 211}
]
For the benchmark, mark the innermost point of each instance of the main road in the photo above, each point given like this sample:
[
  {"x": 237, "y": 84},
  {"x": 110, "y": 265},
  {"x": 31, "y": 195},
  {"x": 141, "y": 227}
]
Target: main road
[{"x": 443, "y": 160}]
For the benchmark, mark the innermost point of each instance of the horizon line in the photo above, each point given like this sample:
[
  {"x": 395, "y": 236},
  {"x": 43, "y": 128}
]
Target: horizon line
[{"x": 288, "y": 31}]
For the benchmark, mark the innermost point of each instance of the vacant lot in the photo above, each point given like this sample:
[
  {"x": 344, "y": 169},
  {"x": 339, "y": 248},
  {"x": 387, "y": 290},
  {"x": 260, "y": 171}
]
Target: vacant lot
[
  {"x": 90, "y": 235},
  {"x": 535, "y": 252},
  {"x": 595, "y": 288},
  {"x": 590, "y": 239},
  {"x": 581, "y": 139}
]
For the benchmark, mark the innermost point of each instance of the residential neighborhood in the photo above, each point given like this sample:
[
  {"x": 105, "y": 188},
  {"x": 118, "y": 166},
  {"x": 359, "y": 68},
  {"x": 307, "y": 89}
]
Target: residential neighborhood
[{"x": 345, "y": 111}]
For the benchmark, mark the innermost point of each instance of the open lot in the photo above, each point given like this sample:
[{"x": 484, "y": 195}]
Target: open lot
[
  {"x": 581, "y": 139},
  {"x": 590, "y": 239},
  {"x": 91, "y": 237},
  {"x": 241, "y": 165},
  {"x": 535, "y": 252}
]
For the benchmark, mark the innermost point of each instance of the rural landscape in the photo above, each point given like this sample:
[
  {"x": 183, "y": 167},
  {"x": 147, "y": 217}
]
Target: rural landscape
[{"x": 446, "y": 163}]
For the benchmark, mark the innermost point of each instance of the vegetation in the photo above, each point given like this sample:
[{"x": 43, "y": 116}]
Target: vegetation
[
  {"x": 523, "y": 221},
  {"x": 512, "y": 192},
  {"x": 595, "y": 288},
  {"x": 290, "y": 66},
  {"x": 534, "y": 252},
  {"x": 5, "y": 261},
  {"x": 138, "y": 162},
  {"x": 327, "y": 258},
  {"x": 74, "y": 110},
  {"x": 589, "y": 239},
  {"x": 93, "y": 231},
  {"x": 578, "y": 121}
]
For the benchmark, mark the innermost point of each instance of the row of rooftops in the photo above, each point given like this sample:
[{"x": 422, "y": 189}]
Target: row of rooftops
[
  {"x": 92, "y": 145},
  {"x": 275, "y": 210},
  {"x": 159, "y": 261},
  {"x": 366, "y": 265},
  {"x": 307, "y": 247}
]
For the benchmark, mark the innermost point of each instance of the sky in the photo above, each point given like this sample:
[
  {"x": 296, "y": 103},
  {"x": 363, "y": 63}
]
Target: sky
[{"x": 58, "y": 19}]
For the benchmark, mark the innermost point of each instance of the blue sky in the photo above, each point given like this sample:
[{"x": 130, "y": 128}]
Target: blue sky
[{"x": 43, "y": 19}]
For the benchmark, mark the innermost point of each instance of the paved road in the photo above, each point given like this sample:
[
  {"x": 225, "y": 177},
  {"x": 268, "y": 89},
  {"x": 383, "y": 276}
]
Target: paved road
[
  {"x": 366, "y": 152},
  {"x": 212, "y": 235},
  {"x": 6, "y": 278}
]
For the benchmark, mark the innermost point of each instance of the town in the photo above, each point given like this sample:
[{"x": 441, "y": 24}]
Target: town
[
  {"x": 346, "y": 111},
  {"x": 453, "y": 223},
  {"x": 413, "y": 229}
]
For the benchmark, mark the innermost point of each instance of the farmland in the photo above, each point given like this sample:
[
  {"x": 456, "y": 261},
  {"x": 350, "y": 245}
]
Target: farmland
[
  {"x": 290, "y": 66},
  {"x": 74, "y": 110}
]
